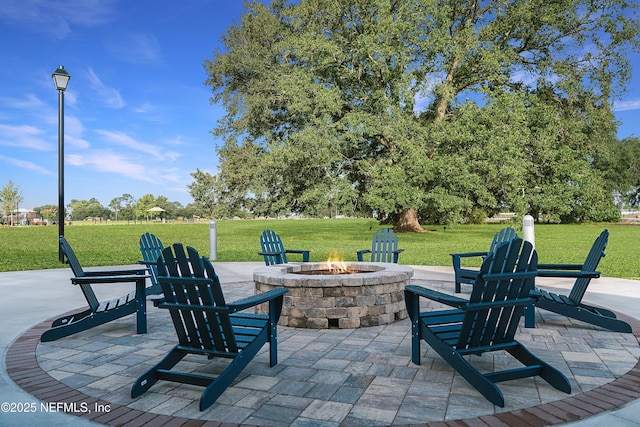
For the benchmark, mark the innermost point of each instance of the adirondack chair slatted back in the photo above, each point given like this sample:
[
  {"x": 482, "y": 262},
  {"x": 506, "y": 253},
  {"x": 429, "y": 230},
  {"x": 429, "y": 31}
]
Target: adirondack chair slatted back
[
  {"x": 467, "y": 275},
  {"x": 190, "y": 285},
  {"x": 384, "y": 245},
  {"x": 499, "y": 297},
  {"x": 270, "y": 242},
  {"x": 151, "y": 248},
  {"x": 591, "y": 264},
  {"x": 76, "y": 268},
  {"x": 71, "y": 258},
  {"x": 504, "y": 235}
]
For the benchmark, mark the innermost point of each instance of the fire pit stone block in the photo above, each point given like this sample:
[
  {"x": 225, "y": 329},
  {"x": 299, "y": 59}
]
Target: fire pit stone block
[{"x": 371, "y": 295}]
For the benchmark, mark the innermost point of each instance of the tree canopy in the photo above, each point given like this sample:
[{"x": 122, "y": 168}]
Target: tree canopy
[{"x": 451, "y": 109}]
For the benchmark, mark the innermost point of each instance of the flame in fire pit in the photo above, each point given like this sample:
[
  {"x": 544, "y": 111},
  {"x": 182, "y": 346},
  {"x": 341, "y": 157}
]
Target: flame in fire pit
[{"x": 336, "y": 264}]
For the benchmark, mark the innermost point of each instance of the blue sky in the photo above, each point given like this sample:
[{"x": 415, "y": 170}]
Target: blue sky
[{"x": 137, "y": 112}]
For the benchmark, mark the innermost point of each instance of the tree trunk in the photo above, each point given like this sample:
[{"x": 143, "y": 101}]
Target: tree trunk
[
  {"x": 446, "y": 93},
  {"x": 408, "y": 222}
]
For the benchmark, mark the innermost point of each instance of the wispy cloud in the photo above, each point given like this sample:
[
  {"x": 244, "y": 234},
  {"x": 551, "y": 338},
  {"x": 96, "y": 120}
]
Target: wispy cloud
[
  {"x": 124, "y": 140},
  {"x": 74, "y": 131},
  {"x": 108, "y": 161},
  {"x": 110, "y": 96},
  {"x": 25, "y": 165},
  {"x": 136, "y": 48},
  {"x": 632, "y": 104},
  {"x": 121, "y": 154},
  {"x": 129, "y": 166},
  {"x": 28, "y": 102},
  {"x": 24, "y": 136},
  {"x": 57, "y": 18},
  {"x": 149, "y": 112},
  {"x": 145, "y": 108}
]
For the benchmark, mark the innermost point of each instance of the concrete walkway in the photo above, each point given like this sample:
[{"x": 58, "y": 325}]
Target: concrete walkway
[{"x": 30, "y": 297}]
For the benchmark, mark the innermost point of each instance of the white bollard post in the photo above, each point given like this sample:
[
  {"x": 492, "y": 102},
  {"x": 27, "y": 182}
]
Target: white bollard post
[
  {"x": 527, "y": 229},
  {"x": 213, "y": 241}
]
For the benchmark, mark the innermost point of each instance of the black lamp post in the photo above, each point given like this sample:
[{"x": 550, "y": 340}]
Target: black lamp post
[{"x": 61, "y": 79}]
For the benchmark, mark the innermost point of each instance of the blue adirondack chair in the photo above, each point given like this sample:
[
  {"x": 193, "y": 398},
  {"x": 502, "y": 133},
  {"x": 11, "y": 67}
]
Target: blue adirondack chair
[
  {"x": 487, "y": 322},
  {"x": 151, "y": 248},
  {"x": 467, "y": 275},
  {"x": 100, "y": 312},
  {"x": 384, "y": 247},
  {"x": 207, "y": 325},
  {"x": 273, "y": 250},
  {"x": 571, "y": 305}
]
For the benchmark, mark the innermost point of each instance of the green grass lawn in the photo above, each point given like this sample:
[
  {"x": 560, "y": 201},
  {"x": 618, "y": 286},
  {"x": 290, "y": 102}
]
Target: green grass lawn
[{"x": 31, "y": 248}]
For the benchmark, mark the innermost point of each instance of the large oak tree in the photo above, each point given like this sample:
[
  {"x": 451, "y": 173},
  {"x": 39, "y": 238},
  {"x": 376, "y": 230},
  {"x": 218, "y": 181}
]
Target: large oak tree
[{"x": 439, "y": 109}]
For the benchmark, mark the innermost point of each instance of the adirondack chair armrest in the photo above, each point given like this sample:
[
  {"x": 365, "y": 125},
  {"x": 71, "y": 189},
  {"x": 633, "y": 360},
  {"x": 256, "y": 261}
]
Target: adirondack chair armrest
[
  {"x": 362, "y": 253},
  {"x": 106, "y": 279},
  {"x": 224, "y": 309},
  {"x": 469, "y": 254},
  {"x": 254, "y": 300},
  {"x": 278, "y": 256},
  {"x": 559, "y": 266},
  {"x": 157, "y": 301},
  {"x": 440, "y": 297},
  {"x": 535, "y": 293},
  {"x": 130, "y": 272},
  {"x": 147, "y": 262},
  {"x": 569, "y": 274},
  {"x": 396, "y": 255},
  {"x": 268, "y": 253},
  {"x": 303, "y": 252}
]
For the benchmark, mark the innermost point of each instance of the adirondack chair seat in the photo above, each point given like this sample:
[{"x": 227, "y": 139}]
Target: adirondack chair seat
[
  {"x": 487, "y": 322},
  {"x": 207, "y": 325},
  {"x": 100, "y": 312},
  {"x": 468, "y": 275},
  {"x": 273, "y": 249},
  {"x": 384, "y": 247},
  {"x": 571, "y": 305}
]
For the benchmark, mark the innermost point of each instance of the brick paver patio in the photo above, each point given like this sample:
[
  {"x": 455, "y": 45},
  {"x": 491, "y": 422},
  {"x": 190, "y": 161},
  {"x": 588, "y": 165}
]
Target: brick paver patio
[{"x": 326, "y": 377}]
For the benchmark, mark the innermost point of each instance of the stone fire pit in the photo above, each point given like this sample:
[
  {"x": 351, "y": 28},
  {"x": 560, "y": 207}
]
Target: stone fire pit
[{"x": 370, "y": 294}]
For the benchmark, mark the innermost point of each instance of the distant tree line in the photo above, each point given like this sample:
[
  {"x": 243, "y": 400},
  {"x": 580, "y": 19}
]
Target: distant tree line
[{"x": 124, "y": 207}]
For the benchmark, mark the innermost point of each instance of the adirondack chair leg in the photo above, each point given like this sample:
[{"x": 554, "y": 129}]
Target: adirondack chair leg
[
  {"x": 599, "y": 310},
  {"x": 486, "y": 387},
  {"x": 360, "y": 254},
  {"x": 224, "y": 380},
  {"x": 547, "y": 372},
  {"x": 585, "y": 314},
  {"x": 141, "y": 306},
  {"x": 412, "y": 303},
  {"x": 530, "y": 316},
  {"x": 70, "y": 318},
  {"x": 275, "y": 308},
  {"x": 456, "y": 269},
  {"x": 149, "y": 378},
  {"x": 84, "y": 323}
]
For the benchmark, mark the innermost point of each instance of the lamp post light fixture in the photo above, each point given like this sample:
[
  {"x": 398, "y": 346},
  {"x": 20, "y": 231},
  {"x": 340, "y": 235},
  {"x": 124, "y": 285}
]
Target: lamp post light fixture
[{"x": 61, "y": 79}]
